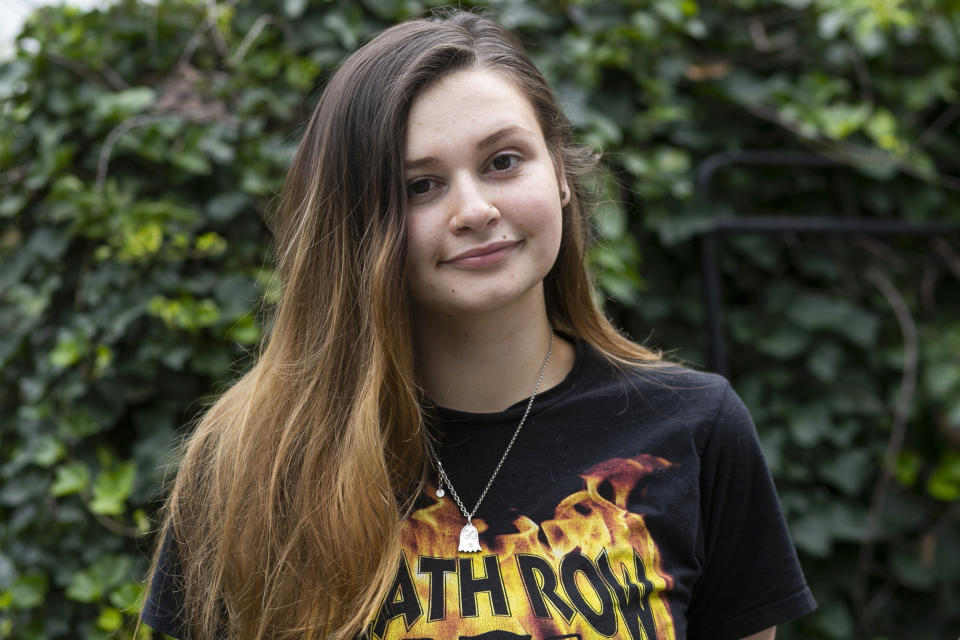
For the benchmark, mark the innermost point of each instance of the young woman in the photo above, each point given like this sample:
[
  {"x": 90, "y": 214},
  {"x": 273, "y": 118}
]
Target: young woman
[{"x": 443, "y": 436}]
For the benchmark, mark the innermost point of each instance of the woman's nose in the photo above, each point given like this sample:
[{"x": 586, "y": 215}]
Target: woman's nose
[{"x": 473, "y": 209}]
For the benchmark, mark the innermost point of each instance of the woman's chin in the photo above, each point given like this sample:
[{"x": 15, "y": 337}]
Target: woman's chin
[{"x": 472, "y": 304}]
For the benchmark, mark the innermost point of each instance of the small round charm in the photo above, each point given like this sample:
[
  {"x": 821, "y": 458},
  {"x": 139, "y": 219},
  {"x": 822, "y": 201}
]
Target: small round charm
[{"x": 440, "y": 492}]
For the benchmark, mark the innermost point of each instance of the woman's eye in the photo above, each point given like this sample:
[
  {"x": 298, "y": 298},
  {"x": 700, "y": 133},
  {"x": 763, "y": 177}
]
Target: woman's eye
[
  {"x": 504, "y": 162},
  {"x": 419, "y": 187}
]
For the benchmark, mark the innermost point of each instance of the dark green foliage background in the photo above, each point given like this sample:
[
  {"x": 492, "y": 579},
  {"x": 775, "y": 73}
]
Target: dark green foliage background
[{"x": 140, "y": 146}]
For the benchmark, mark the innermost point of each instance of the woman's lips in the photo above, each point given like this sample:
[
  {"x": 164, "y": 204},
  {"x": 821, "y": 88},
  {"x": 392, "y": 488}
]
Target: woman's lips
[{"x": 486, "y": 256}]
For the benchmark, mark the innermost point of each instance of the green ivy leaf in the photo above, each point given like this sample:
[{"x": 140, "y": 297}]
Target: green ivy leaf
[
  {"x": 48, "y": 452},
  {"x": 90, "y": 584},
  {"x": 825, "y": 361},
  {"x": 191, "y": 162},
  {"x": 912, "y": 570},
  {"x": 211, "y": 243},
  {"x": 73, "y": 477},
  {"x": 908, "y": 468},
  {"x": 814, "y": 311},
  {"x": 810, "y": 424},
  {"x": 944, "y": 482},
  {"x": 84, "y": 587},
  {"x": 942, "y": 379},
  {"x": 245, "y": 330},
  {"x": 112, "y": 488},
  {"x": 128, "y": 596},
  {"x": 811, "y": 534},
  {"x": 29, "y": 591},
  {"x": 783, "y": 344},
  {"x": 123, "y": 104},
  {"x": 7, "y": 572},
  {"x": 841, "y": 120},
  {"x": 294, "y": 8},
  {"x": 109, "y": 619},
  {"x": 849, "y": 471},
  {"x": 69, "y": 350},
  {"x": 224, "y": 206}
]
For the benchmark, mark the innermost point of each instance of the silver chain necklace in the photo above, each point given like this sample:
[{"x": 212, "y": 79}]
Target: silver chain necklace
[{"x": 469, "y": 537}]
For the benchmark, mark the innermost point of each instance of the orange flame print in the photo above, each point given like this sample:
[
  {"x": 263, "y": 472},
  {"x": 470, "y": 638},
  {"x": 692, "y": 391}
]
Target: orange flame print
[{"x": 591, "y": 571}]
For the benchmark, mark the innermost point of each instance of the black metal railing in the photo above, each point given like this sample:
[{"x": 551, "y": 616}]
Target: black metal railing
[{"x": 710, "y": 232}]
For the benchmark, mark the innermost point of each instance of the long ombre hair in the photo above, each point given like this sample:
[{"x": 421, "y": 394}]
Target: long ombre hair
[{"x": 288, "y": 505}]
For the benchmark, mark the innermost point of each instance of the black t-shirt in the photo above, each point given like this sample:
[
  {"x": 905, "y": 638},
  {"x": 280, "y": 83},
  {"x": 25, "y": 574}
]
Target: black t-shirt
[{"x": 634, "y": 504}]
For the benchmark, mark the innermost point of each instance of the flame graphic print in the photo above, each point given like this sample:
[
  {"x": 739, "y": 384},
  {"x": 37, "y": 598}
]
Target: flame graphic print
[{"x": 591, "y": 571}]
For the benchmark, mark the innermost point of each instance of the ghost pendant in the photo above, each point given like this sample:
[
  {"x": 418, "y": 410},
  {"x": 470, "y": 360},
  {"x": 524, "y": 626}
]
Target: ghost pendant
[{"x": 469, "y": 539}]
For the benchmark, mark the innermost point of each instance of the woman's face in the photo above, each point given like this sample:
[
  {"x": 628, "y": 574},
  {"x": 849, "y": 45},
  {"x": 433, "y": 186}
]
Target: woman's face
[{"x": 483, "y": 198}]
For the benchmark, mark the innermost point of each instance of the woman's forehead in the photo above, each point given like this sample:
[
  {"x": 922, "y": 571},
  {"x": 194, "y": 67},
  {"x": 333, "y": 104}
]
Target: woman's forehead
[{"x": 472, "y": 107}]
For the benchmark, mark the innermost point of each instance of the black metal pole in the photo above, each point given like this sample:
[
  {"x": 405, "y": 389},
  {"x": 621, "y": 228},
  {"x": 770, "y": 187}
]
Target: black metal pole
[{"x": 712, "y": 295}]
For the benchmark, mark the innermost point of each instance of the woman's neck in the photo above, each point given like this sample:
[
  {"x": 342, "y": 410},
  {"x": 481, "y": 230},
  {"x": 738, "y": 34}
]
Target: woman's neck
[{"x": 485, "y": 363}]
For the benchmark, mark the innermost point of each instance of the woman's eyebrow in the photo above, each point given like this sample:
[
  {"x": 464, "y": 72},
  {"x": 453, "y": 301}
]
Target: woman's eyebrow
[
  {"x": 499, "y": 134},
  {"x": 487, "y": 141}
]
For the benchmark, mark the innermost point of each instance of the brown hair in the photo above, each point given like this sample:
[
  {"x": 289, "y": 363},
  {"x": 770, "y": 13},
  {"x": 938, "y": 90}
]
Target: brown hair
[{"x": 288, "y": 504}]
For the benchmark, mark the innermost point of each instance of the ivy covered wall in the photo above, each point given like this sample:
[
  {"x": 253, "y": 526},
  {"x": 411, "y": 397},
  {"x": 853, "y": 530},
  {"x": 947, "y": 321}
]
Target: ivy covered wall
[{"x": 141, "y": 145}]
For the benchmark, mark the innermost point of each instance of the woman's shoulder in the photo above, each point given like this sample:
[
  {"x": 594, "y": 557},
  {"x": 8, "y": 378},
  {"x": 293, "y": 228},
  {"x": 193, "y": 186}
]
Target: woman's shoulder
[
  {"x": 666, "y": 380},
  {"x": 666, "y": 397}
]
